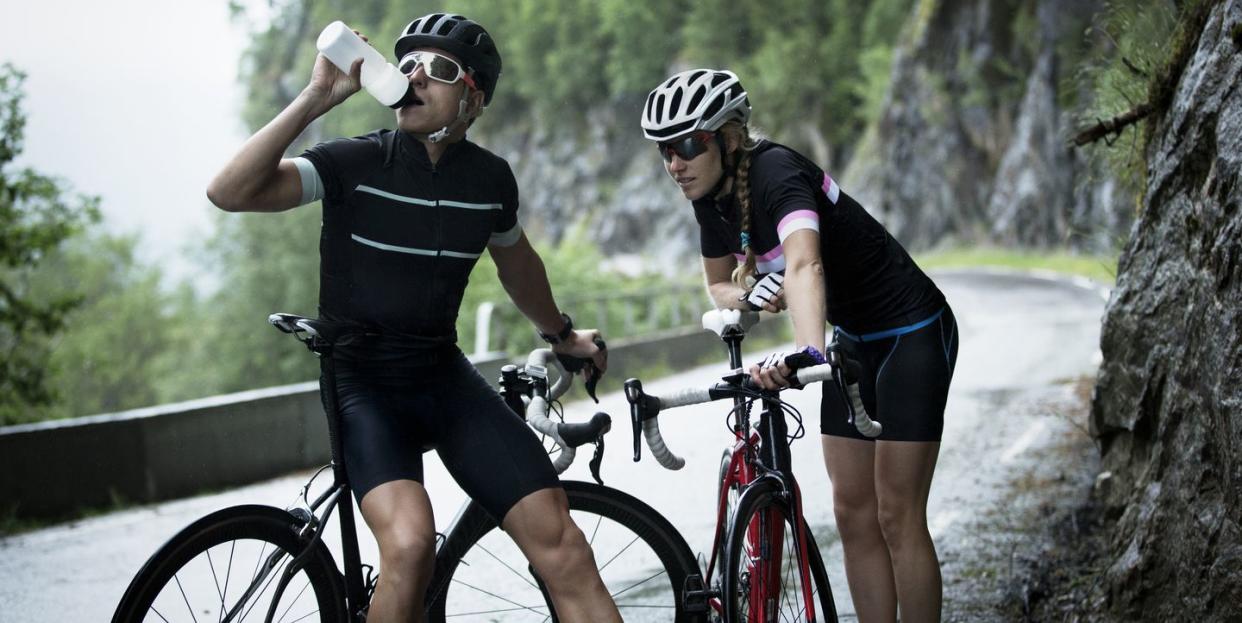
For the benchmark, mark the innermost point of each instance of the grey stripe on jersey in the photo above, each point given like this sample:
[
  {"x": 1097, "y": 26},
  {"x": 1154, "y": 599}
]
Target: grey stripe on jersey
[
  {"x": 312, "y": 186},
  {"x": 506, "y": 238}
]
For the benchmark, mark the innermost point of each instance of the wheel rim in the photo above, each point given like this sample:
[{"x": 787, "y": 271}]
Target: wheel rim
[
  {"x": 237, "y": 579},
  {"x": 230, "y": 566},
  {"x": 494, "y": 582}
]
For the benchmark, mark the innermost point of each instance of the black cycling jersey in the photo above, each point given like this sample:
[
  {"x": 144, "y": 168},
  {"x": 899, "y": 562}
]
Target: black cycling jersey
[
  {"x": 401, "y": 235},
  {"x": 871, "y": 283}
]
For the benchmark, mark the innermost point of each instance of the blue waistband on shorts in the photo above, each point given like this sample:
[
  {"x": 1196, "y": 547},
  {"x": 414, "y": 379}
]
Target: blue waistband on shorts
[{"x": 879, "y": 335}]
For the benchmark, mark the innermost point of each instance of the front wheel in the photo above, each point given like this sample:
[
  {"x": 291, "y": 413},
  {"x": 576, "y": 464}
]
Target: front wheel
[
  {"x": 234, "y": 565},
  {"x": 482, "y": 576},
  {"x": 771, "y": 572}
]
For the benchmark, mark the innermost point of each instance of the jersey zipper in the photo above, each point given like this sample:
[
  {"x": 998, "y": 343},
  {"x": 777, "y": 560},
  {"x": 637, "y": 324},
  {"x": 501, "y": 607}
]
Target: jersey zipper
[{"x": 438, "y": 262}]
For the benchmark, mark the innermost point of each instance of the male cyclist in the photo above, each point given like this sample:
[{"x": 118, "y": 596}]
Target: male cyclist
[{"x": 406, "y": 214}]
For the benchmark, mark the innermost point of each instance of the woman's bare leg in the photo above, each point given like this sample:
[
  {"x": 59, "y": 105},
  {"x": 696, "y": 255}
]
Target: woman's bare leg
[
  {"x": 868, "y": 568},
  {"x": 903, "y": 475}
]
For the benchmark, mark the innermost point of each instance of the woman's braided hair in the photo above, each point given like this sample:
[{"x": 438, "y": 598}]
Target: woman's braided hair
[{"x": 740, "y": 135}]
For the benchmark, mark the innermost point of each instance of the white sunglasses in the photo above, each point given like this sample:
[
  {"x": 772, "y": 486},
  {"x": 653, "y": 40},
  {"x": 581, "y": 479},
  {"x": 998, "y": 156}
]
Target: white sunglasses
[{"x": 437, "y": 67}]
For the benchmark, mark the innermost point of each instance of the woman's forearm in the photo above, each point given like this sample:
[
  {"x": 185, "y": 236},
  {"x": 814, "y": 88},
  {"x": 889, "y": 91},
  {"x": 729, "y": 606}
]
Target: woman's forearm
[{"x": 805, "y": 298}]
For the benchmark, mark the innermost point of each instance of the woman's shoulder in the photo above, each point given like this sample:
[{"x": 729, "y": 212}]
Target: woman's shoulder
[{"x": 772, "y": 157}]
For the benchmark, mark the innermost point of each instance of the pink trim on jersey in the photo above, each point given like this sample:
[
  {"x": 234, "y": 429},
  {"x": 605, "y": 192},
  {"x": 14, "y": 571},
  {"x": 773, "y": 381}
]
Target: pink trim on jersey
[
  {"x": 765, "y": 266},
  {"x": 798, "y": 219},
  {"x": 766, "y": 257},
  {"x": 776, "y": 252},
  {"x": 830, "y": 188}
]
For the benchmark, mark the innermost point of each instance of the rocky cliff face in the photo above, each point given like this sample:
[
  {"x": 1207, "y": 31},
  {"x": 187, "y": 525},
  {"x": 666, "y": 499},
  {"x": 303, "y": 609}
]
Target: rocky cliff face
[
  {"x": 971, "y": 146},
  {"x": 604, "y": 181},
  {"x": 1168, "y": 407}
]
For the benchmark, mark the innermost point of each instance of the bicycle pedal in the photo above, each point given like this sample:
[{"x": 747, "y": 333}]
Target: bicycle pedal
[{"x": 695, "y": 594}]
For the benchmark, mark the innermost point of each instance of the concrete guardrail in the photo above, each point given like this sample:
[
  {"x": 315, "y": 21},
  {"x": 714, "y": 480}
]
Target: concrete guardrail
[{"x": 56, "y": 469}]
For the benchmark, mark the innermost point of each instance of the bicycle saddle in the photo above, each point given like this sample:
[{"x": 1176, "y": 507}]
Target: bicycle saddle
[
  {"x": 328, "y": 331},
  {"x": 729, "y": 321}
]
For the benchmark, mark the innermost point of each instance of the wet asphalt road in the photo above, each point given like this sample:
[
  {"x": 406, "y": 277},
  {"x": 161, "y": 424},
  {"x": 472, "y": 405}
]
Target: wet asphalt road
[{"x": 1020, "y": 334}]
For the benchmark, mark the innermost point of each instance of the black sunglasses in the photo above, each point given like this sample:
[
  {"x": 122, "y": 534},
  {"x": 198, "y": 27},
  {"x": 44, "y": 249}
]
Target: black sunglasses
[{"x": 687, "y": 148}]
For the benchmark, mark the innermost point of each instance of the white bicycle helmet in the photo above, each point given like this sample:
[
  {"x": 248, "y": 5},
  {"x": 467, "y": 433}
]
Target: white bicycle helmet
[{"x": 698, "y": 99}]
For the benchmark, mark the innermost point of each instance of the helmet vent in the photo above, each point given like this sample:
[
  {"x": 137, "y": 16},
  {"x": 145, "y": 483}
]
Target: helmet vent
[
  {"x": 696, "y": 98},
  {"x": 695, "y": 76},
  {"x": 713, "y": 108},
  {"x": 718, "y": 78},
  {"x": 675, "y": 105},
  {"x": 659, "y": 111}
]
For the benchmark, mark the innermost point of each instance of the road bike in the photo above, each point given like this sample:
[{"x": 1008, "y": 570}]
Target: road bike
[
  {"x": 764, "y": 564},
  {"x": 262, "y": 563}
]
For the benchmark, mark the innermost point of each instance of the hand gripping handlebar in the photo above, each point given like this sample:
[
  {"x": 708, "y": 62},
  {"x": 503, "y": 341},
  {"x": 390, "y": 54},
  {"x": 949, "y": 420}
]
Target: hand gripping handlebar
[
  {"x": 645, "y": 408},
  {"x": 567, "y": 436}
]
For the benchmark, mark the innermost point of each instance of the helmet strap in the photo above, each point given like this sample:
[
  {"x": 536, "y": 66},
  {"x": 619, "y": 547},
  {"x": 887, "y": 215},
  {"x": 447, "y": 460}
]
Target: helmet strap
[
  {"x": 727, "y": 170},
  {"x": 442, "y": 133}
]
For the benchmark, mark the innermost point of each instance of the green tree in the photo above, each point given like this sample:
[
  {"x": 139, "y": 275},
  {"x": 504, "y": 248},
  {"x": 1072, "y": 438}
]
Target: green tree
[
  {"x": 117, "y": 344},
  {"x": 37, "y": 214},
  {"x": 644, "y": 44},
  {"x": 717, "y": 33},
  {"x": 266, "y": 263}
]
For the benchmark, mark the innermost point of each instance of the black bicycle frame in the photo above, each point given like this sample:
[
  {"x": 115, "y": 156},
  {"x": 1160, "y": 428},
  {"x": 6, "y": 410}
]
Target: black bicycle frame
[{"x": 355, "y": 591}]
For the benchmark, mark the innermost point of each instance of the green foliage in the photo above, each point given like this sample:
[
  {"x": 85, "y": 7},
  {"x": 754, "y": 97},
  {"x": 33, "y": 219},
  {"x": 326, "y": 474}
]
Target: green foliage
[
  {"x": 1130, "y": 46},
  {"x": 267, "y": 263},
  {"x": 717, "y": 33},
  {"x": 36, "y": 216},
  {"x": 1101, "y": 268},
  {"x": 116, "y": 346},
  {"x": 802, "y": 60},
  {"x": 641, "y": 46}
]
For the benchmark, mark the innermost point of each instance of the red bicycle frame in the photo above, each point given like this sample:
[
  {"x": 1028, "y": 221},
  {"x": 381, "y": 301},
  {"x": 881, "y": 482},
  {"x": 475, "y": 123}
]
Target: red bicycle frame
[{"x": 765, "y": 533}]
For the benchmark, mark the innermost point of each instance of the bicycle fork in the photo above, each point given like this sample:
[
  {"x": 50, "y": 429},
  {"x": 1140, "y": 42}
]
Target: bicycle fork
[{"x": 776, "y": 458}]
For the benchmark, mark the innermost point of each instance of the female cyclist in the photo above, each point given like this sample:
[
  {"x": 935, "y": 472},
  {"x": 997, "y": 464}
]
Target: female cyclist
[{"x": 776, "y": 231}]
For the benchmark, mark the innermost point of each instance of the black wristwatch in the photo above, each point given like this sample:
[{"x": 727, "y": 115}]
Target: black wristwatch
[{"x": 563, "y": 334}]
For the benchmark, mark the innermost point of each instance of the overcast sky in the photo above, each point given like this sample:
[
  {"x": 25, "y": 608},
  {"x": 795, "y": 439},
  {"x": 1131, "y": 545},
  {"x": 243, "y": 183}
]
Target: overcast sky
[{"x": 136, "y": 101}]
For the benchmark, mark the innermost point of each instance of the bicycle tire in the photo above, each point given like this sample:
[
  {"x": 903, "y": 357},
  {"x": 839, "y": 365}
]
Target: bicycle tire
[
  {"x": 595, "y": 509},
  {"x": 245, "y": 538},
  {"x": 731, "y": 499},
  {"x": 765, "y": 502}
]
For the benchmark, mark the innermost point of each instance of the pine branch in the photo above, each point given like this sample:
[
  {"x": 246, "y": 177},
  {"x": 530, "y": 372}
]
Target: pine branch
[{"x": 1113, "y": 126}]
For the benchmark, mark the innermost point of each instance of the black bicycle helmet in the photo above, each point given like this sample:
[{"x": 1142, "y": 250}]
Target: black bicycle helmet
[{"x": 460, "y": 37}]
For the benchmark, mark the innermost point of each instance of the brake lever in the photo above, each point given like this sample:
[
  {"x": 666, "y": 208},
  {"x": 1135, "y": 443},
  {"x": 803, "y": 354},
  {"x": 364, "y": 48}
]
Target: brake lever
[
  {"x": 598, "y": 459},
  {"x": 573, "y": 365}
]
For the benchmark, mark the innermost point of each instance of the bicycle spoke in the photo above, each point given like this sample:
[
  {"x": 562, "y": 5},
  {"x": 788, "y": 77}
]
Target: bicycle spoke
[
  {"x": 304, "y": 616},
  {"x": 295, "y": 601},
  {"x": 157, "y": 613},
  {"x": 214, "y": 577},
  {"x": 188, "y": 607},
  {"x": 228, "y": 573},
  {"x": 599, "y": 520},
  {"x": 491, "y": 594},
  {"x": 614, "y": 557},
  {"x": 794, "y": 570},
  {"x": 640, "y": 582},
  {"x": 504, "y": 564},
  {"x": 271, "y": 577},
  {"x": 496, "y": 611}
]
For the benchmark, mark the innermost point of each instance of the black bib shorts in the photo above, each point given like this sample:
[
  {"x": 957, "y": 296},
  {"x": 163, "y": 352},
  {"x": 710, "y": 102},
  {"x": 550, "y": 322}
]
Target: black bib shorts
[
  {"x": 391, "y": 416},
  {"x": 905, "y": 379}
]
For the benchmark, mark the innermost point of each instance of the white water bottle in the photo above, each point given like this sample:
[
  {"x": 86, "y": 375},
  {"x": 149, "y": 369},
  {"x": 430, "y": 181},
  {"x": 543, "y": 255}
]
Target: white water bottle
[{"x": 380, "y": 78}]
